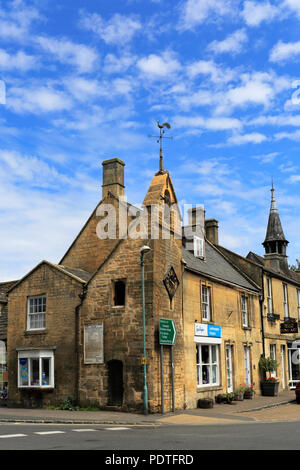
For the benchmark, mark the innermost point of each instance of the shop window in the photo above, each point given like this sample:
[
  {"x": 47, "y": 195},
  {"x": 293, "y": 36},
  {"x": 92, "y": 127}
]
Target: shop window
[
  {"x": 207, "y": 358},
  {"x": 119, "y": 293},
  {"x": 36, "y": 369},
  {"x": 36, "y": 312}
]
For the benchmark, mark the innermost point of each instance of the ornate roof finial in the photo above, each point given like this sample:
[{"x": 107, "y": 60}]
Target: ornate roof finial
[{"x": 273, "y": 202}]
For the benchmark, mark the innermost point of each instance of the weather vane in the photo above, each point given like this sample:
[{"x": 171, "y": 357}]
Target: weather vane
[{"x": 159, "y": 141}]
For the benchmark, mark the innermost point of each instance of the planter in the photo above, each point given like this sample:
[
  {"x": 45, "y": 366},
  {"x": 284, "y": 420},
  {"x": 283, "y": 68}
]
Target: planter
[
  {"x": 239, "y": 396},
  {"x": 248, "y": 395},
  {"x": 269, "y": 389},
  {"x": 205, "y": 403}
]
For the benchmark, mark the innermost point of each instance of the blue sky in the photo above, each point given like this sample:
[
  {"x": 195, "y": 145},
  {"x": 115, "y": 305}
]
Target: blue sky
[{"x": 88, "y": 80}]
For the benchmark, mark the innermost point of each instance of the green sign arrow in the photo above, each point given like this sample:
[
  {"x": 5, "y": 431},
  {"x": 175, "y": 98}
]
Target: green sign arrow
[{"x": 167, "y": 332}]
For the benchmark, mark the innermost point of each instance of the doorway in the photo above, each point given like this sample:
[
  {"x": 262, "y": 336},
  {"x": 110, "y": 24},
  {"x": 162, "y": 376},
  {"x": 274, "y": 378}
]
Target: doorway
[
  {"x": 115, "y": 383},
  {"x": 282, "y": 353},
  {"x": 229, "y": 369},
  {"x": 247, "y": 366}
]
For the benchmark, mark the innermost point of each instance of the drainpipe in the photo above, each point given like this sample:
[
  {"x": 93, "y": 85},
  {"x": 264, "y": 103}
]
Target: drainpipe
[
  {"x": 77, "y": 359},
  {"x": 261, "y": 305}
]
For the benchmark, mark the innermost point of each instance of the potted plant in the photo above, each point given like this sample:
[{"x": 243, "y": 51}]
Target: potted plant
[
  {"x": 248, "y": 392},
  {"x": 239, "y": 393},
  {"x": 269, "y": 385}
]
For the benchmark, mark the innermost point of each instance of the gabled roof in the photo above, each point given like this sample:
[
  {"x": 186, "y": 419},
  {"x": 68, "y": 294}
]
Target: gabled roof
[
  {"x": 4, "y": 288},
  {"x": 78, "y": 275},
  {"x": 287, "y": 275},
  {"x": 217, "y": 267}
]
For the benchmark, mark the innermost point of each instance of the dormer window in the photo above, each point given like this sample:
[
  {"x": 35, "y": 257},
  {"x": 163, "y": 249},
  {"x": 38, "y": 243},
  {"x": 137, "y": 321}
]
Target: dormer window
[{"x": 198, "y": 247}]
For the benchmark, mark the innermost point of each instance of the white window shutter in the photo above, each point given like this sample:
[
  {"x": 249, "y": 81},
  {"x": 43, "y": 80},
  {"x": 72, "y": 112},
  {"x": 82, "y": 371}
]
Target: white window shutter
[{"x": 198, "y": 247}]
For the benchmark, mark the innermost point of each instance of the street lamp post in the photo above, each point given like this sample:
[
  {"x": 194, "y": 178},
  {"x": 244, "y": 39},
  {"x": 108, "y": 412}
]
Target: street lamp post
[{"x": 145, "y": 249}]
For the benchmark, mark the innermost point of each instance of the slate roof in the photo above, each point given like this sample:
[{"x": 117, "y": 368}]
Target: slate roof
[
  {"x": 216, "y": 266},
  {"x": 4, "y": 287},
  {"x": 274, "y": 229},
  {"x": 287, "y": 274},
  {"x": 79, "y": 273}
]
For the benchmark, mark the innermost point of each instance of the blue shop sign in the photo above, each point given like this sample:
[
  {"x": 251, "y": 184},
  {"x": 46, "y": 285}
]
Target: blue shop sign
[
  {"x": 214, "y": 330},
  {"x": 203, "y": 329}
]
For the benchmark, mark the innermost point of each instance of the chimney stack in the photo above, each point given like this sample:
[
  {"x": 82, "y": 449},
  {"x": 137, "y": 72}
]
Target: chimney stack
[
  {"x": 212, "y": 230},
  {"x": 113, "y": 177}
]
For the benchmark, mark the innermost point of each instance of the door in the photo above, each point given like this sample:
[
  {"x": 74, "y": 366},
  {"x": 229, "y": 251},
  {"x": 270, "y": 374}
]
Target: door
[
  {"x": 229, "y": 369},
  {"x": 247, "y": 366},
  {"x": 282, "y": 354},
  {"x": 115, "y": 383}
]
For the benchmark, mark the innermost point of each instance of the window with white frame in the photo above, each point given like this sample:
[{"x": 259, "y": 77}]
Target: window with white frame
[
  {"x": 198, "y": 247},
  {"x": 36, "y": 369},
  {"x": 285, "y": 301},
  {"x": 207, "y": 358},
  {"x": 273, "y": 356},
  {"x": 269, "y": 295},
  {"x": 36, "y": 313},
  {"x": 245, "y": 313},
  {"x": 206, "y": 308},
  {"x": 298, "y": 303}
]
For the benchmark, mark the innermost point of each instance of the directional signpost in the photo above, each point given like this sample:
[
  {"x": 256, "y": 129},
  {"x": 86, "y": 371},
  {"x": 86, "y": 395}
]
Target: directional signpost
[
  {"x": 167, "y": 337},
  {"x": 167, "y": 332}
]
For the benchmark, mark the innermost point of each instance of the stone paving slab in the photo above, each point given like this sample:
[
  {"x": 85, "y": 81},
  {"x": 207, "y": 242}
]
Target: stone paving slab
[{"x": 239, "y": 411}]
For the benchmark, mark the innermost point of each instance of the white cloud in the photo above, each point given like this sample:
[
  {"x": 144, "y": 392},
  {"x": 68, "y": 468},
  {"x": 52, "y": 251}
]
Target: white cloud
[
  {"x": 284, "y": 51},
  {"x": 294, "y": 6},
  {"x": 288, "y": 135},
  {"x": 37, "y": 100},
  {"x": 257, "y": 88},
  {"x": 114, "y": 64},
  {"x": 233, "y": 43},
  {"x": 159, "y": 66},
  {"x": 254, "y": 13},
  {"x": 253, "y": 138},
  {"x": 16, "y": 19},
  {"x": 19, "y": 61},
  {"x": 213, "y": 124},
  {"x": 84, "y": 58},
  {"x": 195, "y": 12},
  {"x": 266, "y": 158},
  {"x": 214, "y": 71},
  {"x": 120, "y": 29}
]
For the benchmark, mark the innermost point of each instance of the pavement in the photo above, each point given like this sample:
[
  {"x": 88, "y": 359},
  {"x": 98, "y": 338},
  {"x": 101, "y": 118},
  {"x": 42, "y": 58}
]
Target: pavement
[{"x": 259, "y": 408}]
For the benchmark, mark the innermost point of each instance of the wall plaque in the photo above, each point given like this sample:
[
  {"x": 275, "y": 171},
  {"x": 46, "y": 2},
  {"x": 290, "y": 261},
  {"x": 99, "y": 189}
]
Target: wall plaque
[{"x": 93, "y": 343}]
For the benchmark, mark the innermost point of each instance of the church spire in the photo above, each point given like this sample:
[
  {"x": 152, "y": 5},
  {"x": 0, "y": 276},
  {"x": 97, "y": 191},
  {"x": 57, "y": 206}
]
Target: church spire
[{"x": 275, "y": 242}]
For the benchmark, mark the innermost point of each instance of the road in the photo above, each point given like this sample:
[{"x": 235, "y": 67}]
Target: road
[{"x": 236, "y": 436}]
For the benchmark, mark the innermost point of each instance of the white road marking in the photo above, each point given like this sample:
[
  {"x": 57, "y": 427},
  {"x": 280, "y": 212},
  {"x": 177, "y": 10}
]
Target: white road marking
[
  {"x": 117, "y": 429},
  {"x": 4, "y": 436},
  {"x": 84, "y": 430},
  {"x": 44, "y": 433}
]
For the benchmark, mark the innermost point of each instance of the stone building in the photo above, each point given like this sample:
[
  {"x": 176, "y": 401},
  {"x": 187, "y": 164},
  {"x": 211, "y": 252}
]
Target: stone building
[
  {"x": 4, "y": 287},
  {"x": 75, "y": 328},
  {"x": 280, "y": 299}
]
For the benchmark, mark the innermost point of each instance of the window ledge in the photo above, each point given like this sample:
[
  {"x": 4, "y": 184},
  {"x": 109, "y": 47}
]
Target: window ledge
[
  {"x": 209, "y": 388},
  {"x": 248, "y": 328},
  {"x": 36, "y": 332},
  {"x": 46, "y": 388}
]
